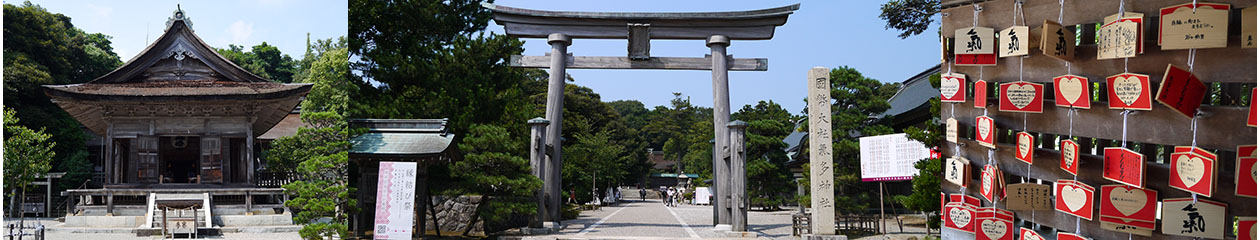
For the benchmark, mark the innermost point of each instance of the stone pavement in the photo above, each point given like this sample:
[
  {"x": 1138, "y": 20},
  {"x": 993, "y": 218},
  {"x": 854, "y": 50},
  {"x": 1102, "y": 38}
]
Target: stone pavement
[
  {"x": 652, "y": 220},
  {"x": 56, "y": 232}
]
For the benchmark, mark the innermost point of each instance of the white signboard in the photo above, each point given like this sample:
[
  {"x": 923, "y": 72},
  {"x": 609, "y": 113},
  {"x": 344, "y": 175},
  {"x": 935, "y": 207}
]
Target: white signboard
[
  {"x": 890, "y": 157},
  {"x": 395, "y": 200}
]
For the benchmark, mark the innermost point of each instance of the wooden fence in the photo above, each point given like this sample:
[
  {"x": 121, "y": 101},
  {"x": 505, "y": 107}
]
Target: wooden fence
[{"x": 1229, "y": 72}]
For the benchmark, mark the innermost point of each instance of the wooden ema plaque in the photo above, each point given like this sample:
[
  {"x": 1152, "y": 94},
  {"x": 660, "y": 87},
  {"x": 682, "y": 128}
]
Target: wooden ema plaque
[
  {"x": 1129, "y": 91},
  {"x": 974, "y": 46},
  {"x": 1181, "y": 91},
  {"x": 953, "y": 87},
  {"x": 951, "y": 130},
  {"x": 1129, "y": 206},
  {"x": 1251, "y": 115},
  {"x": 1057, "y": 41},
  {"x": 1029, "y": 234},
  {"x": 991, "y": 183},
  {"x": 1069, "y": 157},
  {"x": 1185, "y": 217},
  {"x": 995, "y": 224},
  {"x": 956, "y": 169},
  {"x": 985, "y": 131},
  {"x": 1186, "y": 26},
  {"x": 1193, "y": 170},
  {"x": 1068, "y": 236},
  {"x": 1248, "y": 38},
  {"x": 1119, "y": 39},
  {"x": 1124, "y": 166},
  {"x": 959, "y": 216},
  {"x": 1074, "y": 198},
  {"x": 1247, "y": 228},
  {"x": 1029, "y": 196},
  {"x": 1025, "y": 145},
  {"x": 1071, "y": 91},
  {"x": 981, "y": 90},
  {"x": 1245, "y": 171},
  {"x": 1133, "y": 17},
  {"x": 1109, "y": 226},
  {"x": 1022, "y": 97},
  {"x": 973, "y": 202},
  {"x": 1013, "y": 41}
]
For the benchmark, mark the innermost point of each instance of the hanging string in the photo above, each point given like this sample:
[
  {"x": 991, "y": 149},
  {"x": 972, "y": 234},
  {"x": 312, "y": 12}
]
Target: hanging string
[
  {"x": 1194, "y": 128},
  {"x": 975, "y": 15},
  {"x": 1124, "y": 133},
  {"x": 1069, "y": 66},
  {"x": 1060, "y": 11},
  {"x": 1190, "y": 59},
  {"x": 1194, "y": 6}
]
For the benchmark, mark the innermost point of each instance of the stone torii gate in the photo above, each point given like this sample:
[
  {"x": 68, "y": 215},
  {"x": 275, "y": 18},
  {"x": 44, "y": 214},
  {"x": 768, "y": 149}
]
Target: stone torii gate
[{"x": 716, "y": 28}]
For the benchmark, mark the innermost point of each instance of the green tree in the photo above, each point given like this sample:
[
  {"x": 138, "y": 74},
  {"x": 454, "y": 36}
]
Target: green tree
[
  {"x": 263, "y": 60},
  {"x": 42, "y": 48},
  {"x": 322, "y": 197},
  {"x": 911, "y": 17},
  {"x": 330, "y": 74},
  {"x": 27, "y": 155},
  {"x": 769, "y": 179},
  {"x": 491, "y": 168}
]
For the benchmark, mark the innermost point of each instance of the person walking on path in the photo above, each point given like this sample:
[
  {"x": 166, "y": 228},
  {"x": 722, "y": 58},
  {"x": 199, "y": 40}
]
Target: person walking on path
[{"x": 642, "y": 194}]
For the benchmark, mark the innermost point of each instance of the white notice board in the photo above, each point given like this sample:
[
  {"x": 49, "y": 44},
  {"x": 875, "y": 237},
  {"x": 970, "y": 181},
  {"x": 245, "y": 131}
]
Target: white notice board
[
  {"x": 890, "y": 157},
  {"x": 395, "y": 200}
]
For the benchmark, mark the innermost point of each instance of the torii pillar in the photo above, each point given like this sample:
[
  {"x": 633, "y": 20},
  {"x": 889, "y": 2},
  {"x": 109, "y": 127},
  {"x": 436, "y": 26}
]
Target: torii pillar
[{"x": 716, "y": 28}]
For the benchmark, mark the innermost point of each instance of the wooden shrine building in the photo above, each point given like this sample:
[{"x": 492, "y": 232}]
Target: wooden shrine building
[{"x": 177, "y": 119}]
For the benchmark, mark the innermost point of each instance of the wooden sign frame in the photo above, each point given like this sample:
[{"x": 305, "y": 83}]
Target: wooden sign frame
[
  {"x": 1213, "y": 214},
  {"x": 1129, "y": 84},
  {"x": 1124, "y": 166},
  {"x": 1013, "y": 41},
  {"x": 980, "y": 52},
  {"x": 1025, "y": 147},
  {"x": 1033, "y": 106},
  {"x": 981, "y": 91},
  {"x": 957, "y": 170},
  {"x": 1182, "y": 159},
  {"x": 1208, "y": 15},
  {"x": 1024, "y": 196},
  {"x": 1029, "y": 234},
  {"x": 960, "y": 91},
  {"x": 1065, "y": 87},
  {"x": 1066, "y": 195},
  {"x": 1058, "y": 41},
  {"x": 986, "y": 130},
  {"x": 1137, "y": 206},
  {"x": 1245, "y": 171},
  {"x": 1181, "y": 91},
  {"x": 1069, "y": 156}
]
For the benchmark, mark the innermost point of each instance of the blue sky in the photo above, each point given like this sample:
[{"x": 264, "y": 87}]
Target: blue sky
[
  {"x": 283, "y": 23},
  {"x": 821, "y": 33}
]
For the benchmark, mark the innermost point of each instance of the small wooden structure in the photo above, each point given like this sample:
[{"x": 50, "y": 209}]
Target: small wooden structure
[
  {"x": 424, "y": 141},
  {"x": 639, "y": 28}
]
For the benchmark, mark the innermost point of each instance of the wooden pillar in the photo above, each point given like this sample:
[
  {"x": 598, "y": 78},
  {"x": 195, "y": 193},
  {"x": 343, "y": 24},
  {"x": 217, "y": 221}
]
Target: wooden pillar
[
  {"x": 109, "y": 154},
  {"x": 249, "y": 148},
  {"x": 249, "y": 203},
  {"x": 555, "y": 113},
  {"x": 109, "y": 204},
  {"x": 422, "y": 200},
  {"x": 721, "y": 116},
  {"x": 537, "y": 158},
  {"x": 739, "y": 174}
]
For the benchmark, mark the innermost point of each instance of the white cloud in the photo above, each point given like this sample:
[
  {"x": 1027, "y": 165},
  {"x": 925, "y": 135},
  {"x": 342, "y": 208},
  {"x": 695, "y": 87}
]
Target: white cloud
[
  {"x": 102, "y": 11},
  {"x": 240, "y": 31}
]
